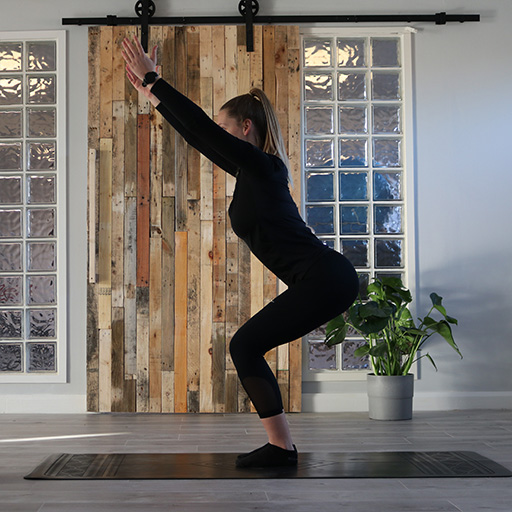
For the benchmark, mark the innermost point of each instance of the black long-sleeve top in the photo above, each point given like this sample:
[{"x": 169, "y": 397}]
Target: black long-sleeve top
[{"x": 262, "y": 211}]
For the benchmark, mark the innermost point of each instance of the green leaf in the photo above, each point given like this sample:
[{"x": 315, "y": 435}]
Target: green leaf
[
  {"x": 375, "y": 288},
  {"x": 372, "y": 309},
  {"x": 336, "y": 323},
  {"x": 336, "y": 336},
  {"x": 408, "y": 331},
  {"x": 444, "y": 329},
  {"x": 373, "y": 325},
  {"x": 392, "y": 282},
  {"x": 427, "y": 355},
  {"x": 405, "y": 319},
  {"x": 395, "y": 290},
  {"x": 362, "y": 351},
  {"x": 379, "y": 350},
  {"x": 452, "y": 320},
  {"x": 437, "y": 303},
  {"x": 428, "y": 322}
]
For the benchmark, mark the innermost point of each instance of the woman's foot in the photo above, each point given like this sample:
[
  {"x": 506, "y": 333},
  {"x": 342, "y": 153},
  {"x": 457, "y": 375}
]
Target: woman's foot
[{"x": 268, "y": 456}]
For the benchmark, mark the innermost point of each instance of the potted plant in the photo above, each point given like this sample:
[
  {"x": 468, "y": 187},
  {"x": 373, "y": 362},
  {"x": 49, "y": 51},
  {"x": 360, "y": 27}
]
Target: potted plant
[{"x": 392, "y": 342}]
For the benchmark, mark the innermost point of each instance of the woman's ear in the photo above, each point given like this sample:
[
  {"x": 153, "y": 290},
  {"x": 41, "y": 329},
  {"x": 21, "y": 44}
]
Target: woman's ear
[{"x": 246, "y": 126}]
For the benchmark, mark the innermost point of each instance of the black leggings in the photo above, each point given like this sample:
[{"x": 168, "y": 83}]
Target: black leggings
[{"x": 327, "y": 289}]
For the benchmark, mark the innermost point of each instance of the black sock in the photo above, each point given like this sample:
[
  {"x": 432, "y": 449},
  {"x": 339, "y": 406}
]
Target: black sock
[{"x": 268, "y": 455}]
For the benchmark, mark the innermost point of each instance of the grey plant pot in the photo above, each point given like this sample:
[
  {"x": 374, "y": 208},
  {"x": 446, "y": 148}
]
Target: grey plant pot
[{"x": 390, "y": 397}]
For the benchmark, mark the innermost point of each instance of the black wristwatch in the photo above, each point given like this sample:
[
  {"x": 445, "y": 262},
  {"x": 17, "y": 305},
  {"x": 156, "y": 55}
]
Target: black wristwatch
[{"x": 149, "y": 78}]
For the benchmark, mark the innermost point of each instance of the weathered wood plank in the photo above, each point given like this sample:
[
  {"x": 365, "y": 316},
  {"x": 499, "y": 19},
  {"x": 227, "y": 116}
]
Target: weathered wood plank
[
  {"x": 231, "y": 396},
  {"x": 219, "y": 246},
  {"x": 219, "y": 366},
  {"x": 93, "y": 63},
  {"x": 244, "y": 69},
  {"x": 180, "y": 329},
  {"x": 106, "y": 82},
  {"x": 118, "y": 206},
  {"x": 93, "y": 117},
  {"x": 193, "y": 305},
  {"x": 296, "y": 376},
  {"x": 233, "y": 289},
  {"x": 118, "y": 64},
  {"x": 155, "y": 326},
  {"x": 206, "y": 346},
  {"x": 284, "y": 387},
  {"x": 143, "y": 198},
  {"x": 256, "y": 58},
  {"x": 117, "y": 360},
  {"x": 155, "y": 213},
  {"x": 256, "y": 285},
  {"x": 130, "y": 141},
  {"x": 206, "y": 166},
  {"x": 194, "y": 93},
  {"x": 167, "y": 391},
  {"x": 231, "y": 61},
  {"x": 181, "y": 184},
  {"x": 92, "y": 215},
  {"x": 231, "y": 80},
  {"x": 142, "y": 348},
  {"x": 129, "y": 392},
  {"x": 105, "y": 375},
  {"x": 168, "y": 288},
  {"x": 269, "y": 75},
  {"x": 219, "y": 63},
  {"x": 92, "y": 349},
  {"x": 244, "y": 279},
  {"x": 167, "y": 59},
  {"x": 281, "y": 78},
  {"x": 130, "y": 285},
  {"x": 105, "y": 236},
  {"x": 294, "y": 151}
]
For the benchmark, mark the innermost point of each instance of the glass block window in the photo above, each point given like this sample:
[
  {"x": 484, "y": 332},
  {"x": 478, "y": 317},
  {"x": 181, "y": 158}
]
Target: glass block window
[
  {"x": 32, "y": 207},
  {"x": 355, "y": 104}
]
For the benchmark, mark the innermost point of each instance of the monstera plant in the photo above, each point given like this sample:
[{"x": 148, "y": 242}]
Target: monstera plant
[{"x": 392, "y": 337}]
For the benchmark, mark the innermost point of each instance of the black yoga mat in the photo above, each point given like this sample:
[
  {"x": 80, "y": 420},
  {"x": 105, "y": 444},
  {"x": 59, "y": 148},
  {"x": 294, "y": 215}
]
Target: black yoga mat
[{"x": 131, "y": 466}]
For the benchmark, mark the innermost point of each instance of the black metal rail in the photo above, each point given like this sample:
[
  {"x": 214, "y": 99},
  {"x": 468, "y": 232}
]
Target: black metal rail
[{"x": 145, "y": 10}]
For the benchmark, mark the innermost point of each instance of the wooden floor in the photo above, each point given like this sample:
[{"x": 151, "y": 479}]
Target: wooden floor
[{"x": 25, "y": 440}]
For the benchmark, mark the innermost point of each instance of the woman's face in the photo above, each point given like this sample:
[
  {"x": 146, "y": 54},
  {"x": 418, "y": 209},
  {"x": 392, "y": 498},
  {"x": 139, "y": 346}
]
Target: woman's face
[{"x": 232, "y": 126}]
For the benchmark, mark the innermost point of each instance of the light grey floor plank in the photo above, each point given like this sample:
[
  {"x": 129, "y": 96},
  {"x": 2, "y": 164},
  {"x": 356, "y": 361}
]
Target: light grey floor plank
[{"x": 26, "y": 440}]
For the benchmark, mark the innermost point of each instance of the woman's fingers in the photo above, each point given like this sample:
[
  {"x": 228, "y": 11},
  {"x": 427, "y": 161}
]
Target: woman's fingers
[
  {"x": 128, "y": 50},
  {"x": 138, "y": 45},
  {"x": 134, "y": 55}
]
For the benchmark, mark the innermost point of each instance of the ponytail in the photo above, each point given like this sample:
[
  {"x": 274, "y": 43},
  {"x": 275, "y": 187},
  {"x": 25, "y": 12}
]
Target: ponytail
[{"x": 257, "y": 107}]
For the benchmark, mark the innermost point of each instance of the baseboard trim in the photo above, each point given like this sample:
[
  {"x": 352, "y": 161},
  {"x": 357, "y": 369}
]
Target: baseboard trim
[
  {"x": 357, "y": 402},
  {"x": 311, "y": 402},
  {"x": 43, "y": 404}
]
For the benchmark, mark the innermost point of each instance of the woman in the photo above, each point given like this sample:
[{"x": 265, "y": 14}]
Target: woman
[{"x": 247, "y": 143}]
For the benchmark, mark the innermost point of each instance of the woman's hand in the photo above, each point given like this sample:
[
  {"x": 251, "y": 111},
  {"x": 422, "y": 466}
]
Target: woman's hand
[
  {"x": 137, "y": 60},
  {"x": 137, "y": 65}
]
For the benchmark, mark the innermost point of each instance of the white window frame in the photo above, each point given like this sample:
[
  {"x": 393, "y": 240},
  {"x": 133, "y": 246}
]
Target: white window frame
[
  {"x": 405, "y": 35},
  {"x": 61, "y": 335}
]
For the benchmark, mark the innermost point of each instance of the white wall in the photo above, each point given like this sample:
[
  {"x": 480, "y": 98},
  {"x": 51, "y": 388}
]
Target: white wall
[{"x": 462, "y": 102}]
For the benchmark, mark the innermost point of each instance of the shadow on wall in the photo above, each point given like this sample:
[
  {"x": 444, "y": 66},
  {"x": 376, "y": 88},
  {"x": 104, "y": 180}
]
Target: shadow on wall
[{"x": 477, "y": 293}]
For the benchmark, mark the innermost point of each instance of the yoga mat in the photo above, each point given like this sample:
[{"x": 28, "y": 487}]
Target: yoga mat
[{"x": 132, "y": 466}]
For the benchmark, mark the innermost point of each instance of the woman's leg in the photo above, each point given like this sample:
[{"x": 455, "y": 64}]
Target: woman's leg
[
  {"x": 278, "y": 431},
  {"x": 328, "y": 290}
]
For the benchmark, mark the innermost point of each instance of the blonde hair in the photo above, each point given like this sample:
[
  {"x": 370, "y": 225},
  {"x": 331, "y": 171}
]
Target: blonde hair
[{"x": 257, "y": 107}]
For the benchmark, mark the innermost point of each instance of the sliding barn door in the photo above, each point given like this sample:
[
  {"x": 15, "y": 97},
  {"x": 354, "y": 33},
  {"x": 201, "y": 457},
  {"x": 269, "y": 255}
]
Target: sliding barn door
[{"x": 169, "y": 282}]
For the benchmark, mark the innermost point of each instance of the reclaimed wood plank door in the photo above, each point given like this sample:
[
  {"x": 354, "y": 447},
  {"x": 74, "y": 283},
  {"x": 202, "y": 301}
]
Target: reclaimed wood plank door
[{"x": 169, "y": 281}]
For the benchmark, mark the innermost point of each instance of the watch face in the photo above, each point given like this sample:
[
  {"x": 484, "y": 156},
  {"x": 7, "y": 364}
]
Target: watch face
[{"x": 150, "y": 77}]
